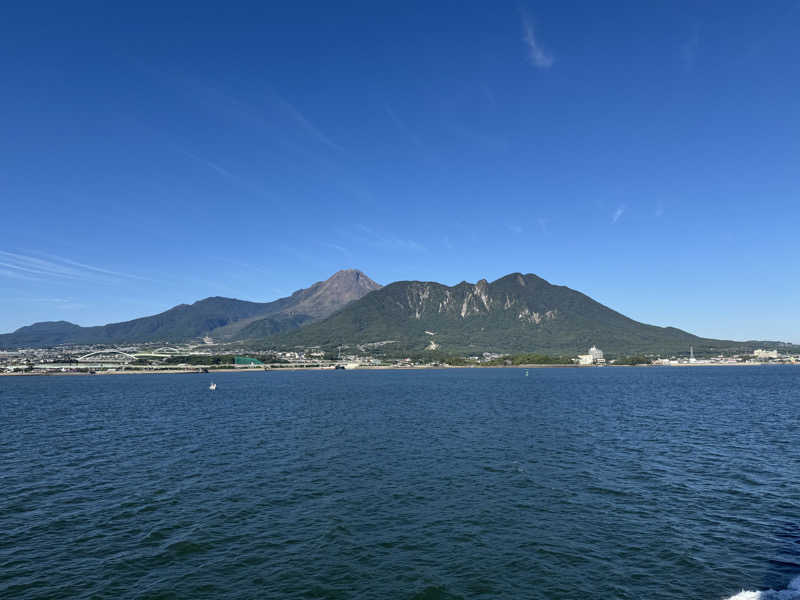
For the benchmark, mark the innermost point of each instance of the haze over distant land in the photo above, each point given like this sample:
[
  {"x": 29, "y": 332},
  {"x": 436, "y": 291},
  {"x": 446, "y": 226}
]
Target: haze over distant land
[{"x": 644, "y": 153}]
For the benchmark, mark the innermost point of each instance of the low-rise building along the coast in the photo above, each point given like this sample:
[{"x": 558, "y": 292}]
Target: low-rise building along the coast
[{"x": 594, "y": 357}]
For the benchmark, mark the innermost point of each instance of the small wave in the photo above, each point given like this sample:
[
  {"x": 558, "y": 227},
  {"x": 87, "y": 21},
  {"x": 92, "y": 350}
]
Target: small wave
[
  {"x": 435, "y": 593},
  {"x": 792, "y": 592}
]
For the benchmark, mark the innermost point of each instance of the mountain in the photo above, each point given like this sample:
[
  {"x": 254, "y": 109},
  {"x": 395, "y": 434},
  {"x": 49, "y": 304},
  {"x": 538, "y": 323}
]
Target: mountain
[
  {"x": 516, "y": 313},
  {"x": 45, "y": 333},
  {"x": 224, "y": 318},
  {"x": 314, "y": 303}
]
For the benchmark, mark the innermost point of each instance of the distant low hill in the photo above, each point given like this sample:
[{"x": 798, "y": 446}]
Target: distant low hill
[
  {"x": 516, "y": 313},
  {"x": 223, "y": 318}
]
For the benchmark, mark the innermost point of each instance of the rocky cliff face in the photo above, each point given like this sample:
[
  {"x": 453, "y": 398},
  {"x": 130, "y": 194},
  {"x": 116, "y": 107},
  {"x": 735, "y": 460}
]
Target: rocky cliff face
[
  {"x": 514, "y": 313},
  {"x": 465, "y": 301}
]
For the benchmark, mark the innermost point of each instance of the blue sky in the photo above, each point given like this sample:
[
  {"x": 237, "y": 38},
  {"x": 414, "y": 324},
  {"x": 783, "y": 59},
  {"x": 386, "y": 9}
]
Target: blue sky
[{"x": 645, "y": 153}]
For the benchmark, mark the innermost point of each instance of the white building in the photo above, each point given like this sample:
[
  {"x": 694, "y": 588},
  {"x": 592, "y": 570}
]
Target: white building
[
  {"x": 764, "y": 354},
  {"x": 585, "y": 359},
  {"x": 597, "y": 355}
]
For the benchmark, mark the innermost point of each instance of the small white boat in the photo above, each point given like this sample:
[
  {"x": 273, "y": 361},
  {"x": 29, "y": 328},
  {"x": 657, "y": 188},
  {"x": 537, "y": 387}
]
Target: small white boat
[{"x": 212, "y": 387}]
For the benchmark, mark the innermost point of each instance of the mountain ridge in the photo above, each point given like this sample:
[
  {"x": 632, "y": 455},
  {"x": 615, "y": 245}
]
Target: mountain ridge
[
  {"x": 515, "y": 313},
  {"x": 217, "y": 316}
]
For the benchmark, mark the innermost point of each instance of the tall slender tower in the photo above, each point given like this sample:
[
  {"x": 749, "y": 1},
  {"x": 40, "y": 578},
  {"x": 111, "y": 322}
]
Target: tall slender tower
[{"x": 691, "y": 353}]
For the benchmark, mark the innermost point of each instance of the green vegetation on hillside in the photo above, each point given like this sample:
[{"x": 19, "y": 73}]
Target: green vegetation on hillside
[
  {"x": 515, "y": 314},
  {"x": 222, "y": 318}
]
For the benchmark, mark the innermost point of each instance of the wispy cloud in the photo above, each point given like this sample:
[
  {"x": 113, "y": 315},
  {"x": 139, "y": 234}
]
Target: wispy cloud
[
  {"x": 618, "y": 213},
  {"x": 204, "y": 93},
  {"x": 388, "y": 241},
  {"x": 401, "y": 125},
  {"x": 15, "y": 274},
  {"x": 537, "y": 55},
  {"x": 338, "y": 248},
  {"x": 246, "y": 184},
  {"x": 660, "y": 210},
  {"x": 306, "y": 124},
  {"x": 268, "y": 120},
  {"x": 210, "y": 164},
  {"x": 515, "y": 229},
  {"x": 94, "y": 269},
  {"x": 47, "y": 267}
]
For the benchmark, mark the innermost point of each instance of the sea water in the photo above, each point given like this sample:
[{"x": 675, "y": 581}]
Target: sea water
[{"x": 629, "y": 483}]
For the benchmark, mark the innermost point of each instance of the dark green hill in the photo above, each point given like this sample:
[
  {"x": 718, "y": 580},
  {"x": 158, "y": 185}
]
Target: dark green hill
[
  {"x": 45, "y": 333},
  {"x": 517, "y": 313},
  {"x": 181, "y": 322}
]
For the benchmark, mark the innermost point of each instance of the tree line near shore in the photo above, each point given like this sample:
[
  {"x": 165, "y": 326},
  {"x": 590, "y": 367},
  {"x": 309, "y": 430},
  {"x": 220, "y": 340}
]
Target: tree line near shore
[{"x": 428, "y": 357}]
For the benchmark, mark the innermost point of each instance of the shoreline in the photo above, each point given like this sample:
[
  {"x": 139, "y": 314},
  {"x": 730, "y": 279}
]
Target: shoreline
[{"x": 373, "y": 368}]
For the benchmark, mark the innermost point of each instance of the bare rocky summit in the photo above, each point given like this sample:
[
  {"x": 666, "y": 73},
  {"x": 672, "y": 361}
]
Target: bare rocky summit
[
  {"x": 326, "y": 297},
  {"x": 221, "y": 318}
]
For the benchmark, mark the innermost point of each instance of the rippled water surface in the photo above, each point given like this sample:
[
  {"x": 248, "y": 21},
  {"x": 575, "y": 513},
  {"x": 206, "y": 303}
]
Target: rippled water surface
[{"x": 592, "y": 483}]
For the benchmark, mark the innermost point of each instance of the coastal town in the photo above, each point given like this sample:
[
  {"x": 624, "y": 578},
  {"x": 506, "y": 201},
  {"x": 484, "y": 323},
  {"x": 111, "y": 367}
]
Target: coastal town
[{"x": 96, "y": 359}]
